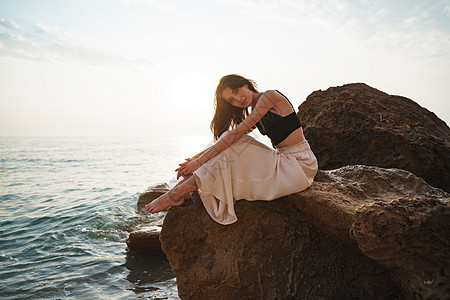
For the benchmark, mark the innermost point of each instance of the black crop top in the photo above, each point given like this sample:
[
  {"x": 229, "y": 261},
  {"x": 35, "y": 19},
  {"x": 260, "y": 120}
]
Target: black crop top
[{"x": 276, "y": 127}]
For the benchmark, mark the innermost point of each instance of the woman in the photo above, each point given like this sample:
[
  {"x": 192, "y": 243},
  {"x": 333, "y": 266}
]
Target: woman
[{"x": 239, "y": 167}]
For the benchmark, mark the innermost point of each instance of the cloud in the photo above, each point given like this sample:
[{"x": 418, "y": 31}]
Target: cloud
[
  {"x": 416, "y": 28},
  {"x": 8, "y": 24},
  {"x": 47, "y": 29},
  {"x": 45, "y": 43}
]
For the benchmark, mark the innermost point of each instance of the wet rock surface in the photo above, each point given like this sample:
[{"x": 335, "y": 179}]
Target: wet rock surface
[
  {"x": 144, "y": 235},
  {"x": 357, "y": 124},
  {"x": 295, "y": 247},
  {"x": 149, "y": 269}
]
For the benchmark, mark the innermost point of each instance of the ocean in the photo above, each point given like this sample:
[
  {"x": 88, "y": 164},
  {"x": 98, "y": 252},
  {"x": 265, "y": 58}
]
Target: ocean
[{"x": 63, "y": 202}]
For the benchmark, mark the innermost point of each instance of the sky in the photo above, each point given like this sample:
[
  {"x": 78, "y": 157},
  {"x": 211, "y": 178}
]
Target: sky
[{"x": 150, "y": 67}]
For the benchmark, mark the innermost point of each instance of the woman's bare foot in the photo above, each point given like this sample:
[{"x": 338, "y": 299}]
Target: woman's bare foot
[
  {"x": 162, "y": 202},
  {"x": 174, "y": 197}
]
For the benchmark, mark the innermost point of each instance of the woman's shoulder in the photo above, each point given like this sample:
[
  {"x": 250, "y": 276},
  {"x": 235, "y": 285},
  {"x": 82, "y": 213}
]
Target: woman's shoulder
[
  {"x": 272, "y": 95},
  {"x": 272, "y": 98},
  {"x": 277, "y": 102}
]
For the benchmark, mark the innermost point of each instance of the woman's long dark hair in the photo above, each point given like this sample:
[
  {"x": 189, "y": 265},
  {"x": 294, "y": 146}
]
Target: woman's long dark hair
[{"x": 227, "y": 116}]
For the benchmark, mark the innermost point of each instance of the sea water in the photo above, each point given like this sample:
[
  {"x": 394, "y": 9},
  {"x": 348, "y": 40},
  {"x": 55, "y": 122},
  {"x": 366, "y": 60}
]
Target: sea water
[{"x": 63, "y": 202}]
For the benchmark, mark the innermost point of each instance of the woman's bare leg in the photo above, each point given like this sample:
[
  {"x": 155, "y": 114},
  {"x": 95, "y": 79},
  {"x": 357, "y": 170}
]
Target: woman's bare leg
[
  {"x": 174, "y": 197},
  {"x": 188, "y": 195}
]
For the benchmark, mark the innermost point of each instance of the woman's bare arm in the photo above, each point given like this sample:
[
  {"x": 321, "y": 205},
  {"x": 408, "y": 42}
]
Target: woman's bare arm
[
  {"x": 268, "y": 100},
  {"x": 187, "y": 160},
  {"x": 198, "y": 154}
]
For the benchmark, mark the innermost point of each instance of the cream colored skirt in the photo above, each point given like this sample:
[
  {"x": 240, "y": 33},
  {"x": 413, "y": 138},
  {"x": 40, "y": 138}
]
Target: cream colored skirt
[{"x": 250, "y": 170}]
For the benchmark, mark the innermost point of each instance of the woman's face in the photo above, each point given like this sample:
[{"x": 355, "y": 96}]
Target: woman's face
[{"x": 240, "y": 97}]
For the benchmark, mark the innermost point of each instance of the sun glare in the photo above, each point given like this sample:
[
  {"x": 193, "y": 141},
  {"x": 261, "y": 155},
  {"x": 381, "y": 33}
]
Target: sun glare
[
  {"x": 193, "y": 144},
  {"x": 192, "y": 92}
]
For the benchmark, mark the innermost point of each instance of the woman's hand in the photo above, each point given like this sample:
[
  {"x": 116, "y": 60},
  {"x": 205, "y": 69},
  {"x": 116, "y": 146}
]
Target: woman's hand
[{"x": 188, "y": 167}]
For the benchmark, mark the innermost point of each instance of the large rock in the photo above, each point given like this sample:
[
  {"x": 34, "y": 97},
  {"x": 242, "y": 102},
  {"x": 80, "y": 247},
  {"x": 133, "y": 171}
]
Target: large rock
[
  {"x": 357, "y": 124},
  {"x": 411, "y": 236},
  {"x": 294, "y": 247},
  {"x": 274, "y": 251}
]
